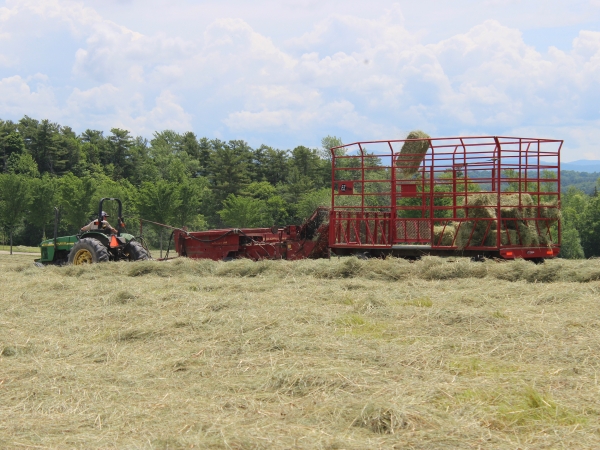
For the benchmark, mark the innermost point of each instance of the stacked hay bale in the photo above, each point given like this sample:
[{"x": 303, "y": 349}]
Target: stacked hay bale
[
  {"x": 550, "y": 212},
  {"x": 477, "y": 232},
  {"x": 443, "y": 235},
  {"x": 515, "y": 210},
  {"x": 518, "y": 225},
  {"x": 412, "y": 154}
]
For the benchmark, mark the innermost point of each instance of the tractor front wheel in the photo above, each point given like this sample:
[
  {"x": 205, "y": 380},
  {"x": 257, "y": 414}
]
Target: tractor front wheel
[
  {"x": 88, "y": 251},
  {"x": 136, "y": 252}
]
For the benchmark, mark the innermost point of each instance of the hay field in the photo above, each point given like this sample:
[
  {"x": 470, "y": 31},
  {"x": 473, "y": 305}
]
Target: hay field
[
  {"x": 328, "y": 354},
  {"x": 20, "y": 249}
]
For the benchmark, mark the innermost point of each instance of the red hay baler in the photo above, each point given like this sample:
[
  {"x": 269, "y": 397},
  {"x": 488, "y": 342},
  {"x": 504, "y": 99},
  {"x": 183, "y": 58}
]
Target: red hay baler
[
  {"x": 292, "y": 242},
  {"x": 472, "y": 196}
]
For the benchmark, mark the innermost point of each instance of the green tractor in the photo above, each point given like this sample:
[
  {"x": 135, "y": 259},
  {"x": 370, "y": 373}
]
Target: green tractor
[{"x": 93, "y": 246}]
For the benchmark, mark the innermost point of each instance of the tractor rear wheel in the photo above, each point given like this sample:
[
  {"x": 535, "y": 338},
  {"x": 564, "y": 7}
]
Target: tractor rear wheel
[
  {"x": 88, "y": 251},
  {"x": 136, "y": 252}
]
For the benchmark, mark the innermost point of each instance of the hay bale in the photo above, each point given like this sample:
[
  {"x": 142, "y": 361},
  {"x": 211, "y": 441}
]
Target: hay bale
[
  {"x": 484, "y": 205},
  {"x": 507, "y": 237},
  {"x": 481, "y": 205},
  {"x": 412, "y": 153},
  {"x": 545, "y": 239},
  {"x": 514, "y": 207},
  {"x": 528, "y": 234},
  {"x": 474, "y": 234},
  {"x": 444, "y": 235},
  {"x": 550, "y": 211}
]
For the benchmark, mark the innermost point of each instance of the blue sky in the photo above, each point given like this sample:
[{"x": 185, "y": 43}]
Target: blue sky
[{"x": 286, "y": 73}]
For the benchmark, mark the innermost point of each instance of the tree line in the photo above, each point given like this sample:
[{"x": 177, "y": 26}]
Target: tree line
[
  {"x": 173, "y": 178},
  {"x": 185, "y": 181}
]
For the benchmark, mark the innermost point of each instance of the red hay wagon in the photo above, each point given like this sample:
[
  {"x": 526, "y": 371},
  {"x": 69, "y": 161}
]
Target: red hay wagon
[
  {"x": 473, "y": 196},
  {"x": 487, "y": 196}
]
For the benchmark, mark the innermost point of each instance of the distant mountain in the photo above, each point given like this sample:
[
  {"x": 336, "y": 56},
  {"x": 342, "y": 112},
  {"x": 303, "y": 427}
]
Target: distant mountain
[{"x": 582, "y": 165}]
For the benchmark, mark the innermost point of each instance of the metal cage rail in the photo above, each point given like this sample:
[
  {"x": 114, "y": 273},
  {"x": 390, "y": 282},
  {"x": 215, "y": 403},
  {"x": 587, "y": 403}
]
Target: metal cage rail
[{"x": 472, "y": 194}]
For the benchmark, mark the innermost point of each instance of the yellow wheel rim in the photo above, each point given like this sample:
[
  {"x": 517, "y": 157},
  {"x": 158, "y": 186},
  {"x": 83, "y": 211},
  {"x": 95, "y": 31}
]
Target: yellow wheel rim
[{"x": 83, "y": 256}]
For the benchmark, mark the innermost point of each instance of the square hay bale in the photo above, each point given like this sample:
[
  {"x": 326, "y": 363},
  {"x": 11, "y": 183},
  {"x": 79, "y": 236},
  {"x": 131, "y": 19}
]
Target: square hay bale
[
  {"x": 481, "y": 205},
  {"x": 528, "y": 233},
  {"x": 511, "y": 207},
  {"x": 507, "y": 237},
  {"x": 550, "y": 211},
  {"x": 475, "y": 233},
  {"x": 545, "y": 239},
  {"x": 444, "y": 235},
  {"x": 412, "y": 153},
  {"x": 518, "y": 215}
]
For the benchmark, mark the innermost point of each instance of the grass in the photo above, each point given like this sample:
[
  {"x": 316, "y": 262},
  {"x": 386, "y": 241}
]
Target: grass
[
  {"x": 440, "y": 353},
  {"x": 20, "y": 249}
]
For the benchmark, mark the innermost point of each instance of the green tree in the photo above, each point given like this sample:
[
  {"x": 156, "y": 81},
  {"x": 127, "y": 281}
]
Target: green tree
[
  {"x": 262, "y": 190},
  {"x": 229, "y": 168},
  {"x": 274, "y": 208},
  {"x": 571, "y": 247},
  {"x": 270, "y": 165},
  {"x": 119, "y": 147},
  {"x": 277, "y": 211},
  {"x": 143, "y": 164},
  {"x": 190, "y": 193},
  {"x": 158, "y": 202},
  {"x": 75, "y": 196},
  {"x": 311, "y": 201},
  {"x": 14, "y": 201},
  {"x": 95, "y": 151},
  {"x": 168, "y": 153},
  {"x": 590, "y": 228},
  {"x": 22, "y": 164},
  {"x": 297, "y": 186},
  {"x": 243, "y": 212},
  {"x": 329, "y": 142},
  {"x": 204, "y": 156},
  {"x": 10, "y": 144},
  {"x": 44, "y": 198},
  {"x": 306, "y": 160},
  {"x": 189, "y": 144},
  {"x": 574, "y": 203}
]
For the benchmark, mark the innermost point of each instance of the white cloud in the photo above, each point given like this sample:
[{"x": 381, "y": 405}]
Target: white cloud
[
  {"x": 18, "y": 98},
  {"x": 107, "y": 106},
  {"x": 361, "y": 74}
]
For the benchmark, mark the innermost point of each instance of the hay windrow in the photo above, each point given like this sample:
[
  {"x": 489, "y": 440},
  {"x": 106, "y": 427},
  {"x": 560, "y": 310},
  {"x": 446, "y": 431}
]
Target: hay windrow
[{"x": 389, "y": 269}]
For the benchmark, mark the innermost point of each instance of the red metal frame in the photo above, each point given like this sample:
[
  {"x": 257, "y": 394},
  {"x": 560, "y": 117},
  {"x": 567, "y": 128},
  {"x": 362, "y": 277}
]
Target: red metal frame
[
  {"x": 291, "y": 242},
  {"x": 389, "y": 209}
]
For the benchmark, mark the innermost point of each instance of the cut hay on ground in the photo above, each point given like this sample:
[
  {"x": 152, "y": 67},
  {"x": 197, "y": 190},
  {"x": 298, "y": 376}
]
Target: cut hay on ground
[
  {"x": 320, "y": 354},
  {"x": 412, "y": 153}
]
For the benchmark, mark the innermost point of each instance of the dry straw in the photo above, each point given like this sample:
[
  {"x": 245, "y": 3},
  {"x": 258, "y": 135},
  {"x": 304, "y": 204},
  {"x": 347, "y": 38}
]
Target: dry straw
[
  {"x": 519, "y": 225},
  {"x": 340, "y": 353},
  {"x": 412, "y": 153},
  {"x": 444, "y": 235}
]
